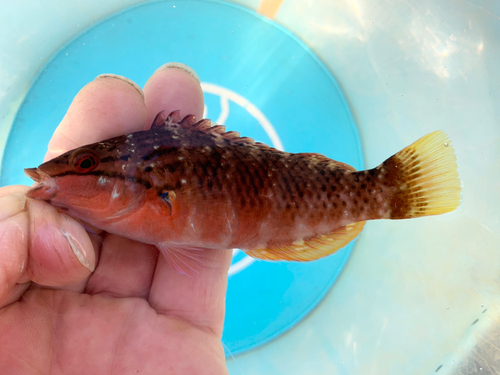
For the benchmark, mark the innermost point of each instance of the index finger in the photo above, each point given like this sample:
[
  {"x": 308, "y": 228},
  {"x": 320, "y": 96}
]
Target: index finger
[{"x": 109, "y": 106}]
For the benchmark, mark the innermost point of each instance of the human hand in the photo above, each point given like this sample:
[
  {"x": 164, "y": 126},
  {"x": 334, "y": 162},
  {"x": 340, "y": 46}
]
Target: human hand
[{"x": 78, "y": 303}]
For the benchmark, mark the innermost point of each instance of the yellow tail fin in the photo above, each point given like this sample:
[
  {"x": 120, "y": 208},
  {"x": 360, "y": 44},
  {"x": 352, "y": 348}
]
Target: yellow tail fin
[{"x": 426, "y": 172}]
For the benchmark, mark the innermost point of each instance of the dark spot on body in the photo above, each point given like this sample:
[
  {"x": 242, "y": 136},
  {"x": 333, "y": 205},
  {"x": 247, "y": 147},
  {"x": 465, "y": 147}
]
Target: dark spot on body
[
  {"x": 107, "y": 159},
  {"x": 237, "y": 187},
  {"x": 218, "y": 184},
  {"x": 125, "y": 157},
  {"x": 299, "y": 191},
  {"x": 148, "y": 169},
  {"x": 160, "y": 152},
  {"x": 256, "y": 190}
]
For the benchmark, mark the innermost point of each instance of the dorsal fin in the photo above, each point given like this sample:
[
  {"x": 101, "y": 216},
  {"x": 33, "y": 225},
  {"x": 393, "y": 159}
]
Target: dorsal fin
[
  {"x": 159, "y": 120},
  {"x": 312, "y": 249},
  {"x": 173, "y": 118},
  {"x": 217, "y": 131},
  {"x": 206, "y": 126},
  {"x": 188, "y": 120},
  {"x": 162, "y": 119},
  {"x": 323, "y": 159}
]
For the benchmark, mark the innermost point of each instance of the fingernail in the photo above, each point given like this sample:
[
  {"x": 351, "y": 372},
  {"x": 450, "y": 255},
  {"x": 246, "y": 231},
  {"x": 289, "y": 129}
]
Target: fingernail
[
  {"x": 12, "y": 205},
  {"x": 122, "y": 78},
  {"x": 79, "y": 251},
  {"x": 176, "y": 65}
]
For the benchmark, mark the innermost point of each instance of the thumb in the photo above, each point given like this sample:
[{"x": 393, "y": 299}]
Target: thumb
[{"x": 60, "y": 250}]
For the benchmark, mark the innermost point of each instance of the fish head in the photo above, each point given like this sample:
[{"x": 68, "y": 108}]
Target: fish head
[{"x": 91, "y": 183}]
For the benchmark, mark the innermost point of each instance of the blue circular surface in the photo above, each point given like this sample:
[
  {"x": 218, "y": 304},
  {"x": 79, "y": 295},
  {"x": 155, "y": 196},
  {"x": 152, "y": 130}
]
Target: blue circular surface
[{"x": 258, "y": 77}]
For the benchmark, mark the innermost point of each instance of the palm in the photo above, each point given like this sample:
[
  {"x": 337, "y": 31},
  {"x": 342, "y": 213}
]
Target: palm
[
  {"x": 133, "y": 313},
  {"x": 106, "y": 331}
]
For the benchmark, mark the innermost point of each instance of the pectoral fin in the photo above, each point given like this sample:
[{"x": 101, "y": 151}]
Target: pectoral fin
[
  {"x": 185, "y": 260},
  {"x": 312, "y": 249}
]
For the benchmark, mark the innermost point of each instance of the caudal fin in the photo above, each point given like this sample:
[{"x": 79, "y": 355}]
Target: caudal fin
[{"x": 425, "y": 175}]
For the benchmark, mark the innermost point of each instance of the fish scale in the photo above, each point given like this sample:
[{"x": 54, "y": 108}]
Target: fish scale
[{"x": 185, "y": 185}]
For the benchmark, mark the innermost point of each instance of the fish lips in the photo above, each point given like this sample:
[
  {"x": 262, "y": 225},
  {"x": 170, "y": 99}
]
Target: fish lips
[{"x": 45, "y": 187}]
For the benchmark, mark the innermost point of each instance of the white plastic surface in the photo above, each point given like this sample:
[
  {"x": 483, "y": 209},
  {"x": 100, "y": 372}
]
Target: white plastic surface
[{"x": 408, "y": 298}]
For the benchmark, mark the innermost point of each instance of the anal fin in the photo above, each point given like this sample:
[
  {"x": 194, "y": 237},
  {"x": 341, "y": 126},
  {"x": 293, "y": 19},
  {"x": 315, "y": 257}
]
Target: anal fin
[
  {"x": 185, "y": 260},
  {"x": 312, "y": 249}
]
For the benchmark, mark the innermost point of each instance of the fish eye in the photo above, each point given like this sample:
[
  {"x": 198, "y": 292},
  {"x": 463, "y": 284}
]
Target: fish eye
[{"x": 84, "y": 161}]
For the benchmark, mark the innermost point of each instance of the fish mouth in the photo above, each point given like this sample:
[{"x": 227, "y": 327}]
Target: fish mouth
[{"x": 44, "y": 188}]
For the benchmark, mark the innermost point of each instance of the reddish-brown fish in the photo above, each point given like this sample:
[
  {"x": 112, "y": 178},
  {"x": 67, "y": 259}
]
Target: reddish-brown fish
[{"x": 185, "y": 186}]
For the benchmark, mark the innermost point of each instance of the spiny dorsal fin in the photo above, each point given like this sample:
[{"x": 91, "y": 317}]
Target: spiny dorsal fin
[
  {"x": 188, "y": 120},
  {"x": 159, "y": 120},
  {"x": 315, "y": 248},
  {"x": 206, "y": 126},
  {"x": 172, "y": 119}
]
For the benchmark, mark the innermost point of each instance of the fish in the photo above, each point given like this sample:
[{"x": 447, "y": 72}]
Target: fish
[{"x": 186, "y": 186}]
